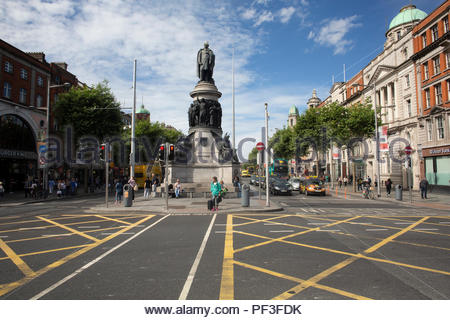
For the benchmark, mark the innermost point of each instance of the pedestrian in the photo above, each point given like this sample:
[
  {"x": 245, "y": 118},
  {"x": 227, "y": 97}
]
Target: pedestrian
[
  {"x": 359, "y": 181},
  {"x": 177, "y": 188},
  {"x": 350, "y": 179},
  {"x": 237, "y": 184},
  {"x": 369, "y": 181},
  {"x": 119, "y": 192},
  {"x": 133, "y": 186},
  {"x": 73, "y": 187},
  {"x": 155, "y": 184},
  {"x": 215, "y": 193},
  {"x": 2, "y": 190},
  {"x": 27, "y": 188},
  {"x": 388, "y": 185},
  {"x": 345, "y": 181},
  {"x": 340, "y": 182},
  {"x": 423, "y": 188},
  {"x": 51, "y": 185},
  {"x": 147, "y": 188},
  {"x": 224, "y": 189},
  {"x": 97, "y": 183}
]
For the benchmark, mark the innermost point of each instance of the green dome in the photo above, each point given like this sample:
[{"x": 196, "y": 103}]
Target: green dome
[
  {"x": 143, "y": 110},
  {"x": 407, "y": 14},
  {"x": 293, "y": 110}
]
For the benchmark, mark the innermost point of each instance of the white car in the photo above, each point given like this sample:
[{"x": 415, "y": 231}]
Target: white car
[{"x": 295, "y": 183}]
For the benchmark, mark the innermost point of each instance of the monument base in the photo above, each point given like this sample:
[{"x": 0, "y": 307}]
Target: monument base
[{"x": 201, "y": 174}]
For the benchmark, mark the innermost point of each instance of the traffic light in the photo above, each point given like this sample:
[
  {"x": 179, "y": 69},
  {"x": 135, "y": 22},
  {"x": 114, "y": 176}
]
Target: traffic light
[
  {"x": 161, "y": 152},
  {"x": 102, "y": 151},
  {"x": 171, "y": 152}
]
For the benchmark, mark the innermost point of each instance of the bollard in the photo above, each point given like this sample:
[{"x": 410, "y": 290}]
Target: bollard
[
  {"x": 127, "y": 196},
  {"x": 398, "y": 192},
  {"x": 345, "y": 195},
  {"x": 245, "y": 200}
]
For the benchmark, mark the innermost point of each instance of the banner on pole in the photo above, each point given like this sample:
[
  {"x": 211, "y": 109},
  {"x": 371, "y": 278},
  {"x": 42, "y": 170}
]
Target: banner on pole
[{"x": 383, "y": 138}]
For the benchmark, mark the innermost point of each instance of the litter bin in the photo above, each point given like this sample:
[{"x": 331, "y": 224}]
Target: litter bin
[
  {"x": 245, "y": 200},
  {"x": 127, "y": 196},
  {"x": 398, "y": 192}
]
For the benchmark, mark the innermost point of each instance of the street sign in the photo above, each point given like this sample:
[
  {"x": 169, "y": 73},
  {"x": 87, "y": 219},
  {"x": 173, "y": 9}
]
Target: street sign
[
  {"x": 408, "y": 150},
  {"x": 260, "y": 146}
]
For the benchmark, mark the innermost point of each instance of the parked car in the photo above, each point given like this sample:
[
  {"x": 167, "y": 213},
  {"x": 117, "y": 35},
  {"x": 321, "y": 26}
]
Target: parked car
[
  {"x": 253, "y": 179},
  {"x": 280, "y": 186},
  {"x": 313, "y": 186},
  {"x": 295, "y": 184}
]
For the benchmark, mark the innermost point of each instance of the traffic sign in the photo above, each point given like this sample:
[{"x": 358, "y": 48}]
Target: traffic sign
[
  {"x": 260, "y": 146},
  {"x": 408, "y": 150}
]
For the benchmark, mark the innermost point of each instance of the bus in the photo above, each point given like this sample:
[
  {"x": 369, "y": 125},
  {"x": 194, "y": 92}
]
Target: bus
[
  {"x": 280, "y": 168},
  {"x": 142, "y": 171}
]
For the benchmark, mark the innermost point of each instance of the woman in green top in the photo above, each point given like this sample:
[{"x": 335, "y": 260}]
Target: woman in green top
[{"x": 215, "y": 191}]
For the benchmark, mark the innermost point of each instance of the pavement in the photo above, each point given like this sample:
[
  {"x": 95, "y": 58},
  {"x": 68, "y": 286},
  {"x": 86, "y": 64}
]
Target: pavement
[
  {"x": 433, "y": 201},
  {"x": 187, "y": 206}
]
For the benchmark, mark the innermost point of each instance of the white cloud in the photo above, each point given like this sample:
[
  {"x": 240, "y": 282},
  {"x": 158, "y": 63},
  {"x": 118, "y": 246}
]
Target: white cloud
[
  {"x": 265, "y": 16},
  {"x": 333, "y": 32},
  {"x": 248, "y": 14},
  {"x": 286, "y": 14}
]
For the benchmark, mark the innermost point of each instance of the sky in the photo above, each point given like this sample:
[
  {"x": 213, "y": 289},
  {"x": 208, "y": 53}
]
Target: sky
[{"x": 283, "y": 49}]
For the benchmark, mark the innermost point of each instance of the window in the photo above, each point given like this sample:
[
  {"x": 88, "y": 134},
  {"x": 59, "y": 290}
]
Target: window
[
  {"x": 40, "y": 81},
  {"x": 408, "y": 83},
  {"x": 447, "y": 59},
  {"x": 425, "y": 71},
  {"x": 55, "y": 98},
  {"x": 438, "y": 93},
  {"x": 23, "y": 74},
  {"x": 57, "y": 80},
  {"x": 436, "y": 65},
  {"x": 23, "y": 95},
  {"x": 440, "y": 127},
  {"x": 7, "y": 90},
  {"x": 445, "y": 22},
  {"x": 399, "y": 35},
  {"x": 424, "y": 39},
  {"x": 8, "y": 67},
  {"x": 429, "y": 130},
  {"x": 427, "y": 98},
  {"x": 38, "y": 101},
  {"x": 448, "y": 91},
  {"x": 408, "y": 105},
  {"x": 434, "y": 33},
  {"x": 405, "y": 53}
]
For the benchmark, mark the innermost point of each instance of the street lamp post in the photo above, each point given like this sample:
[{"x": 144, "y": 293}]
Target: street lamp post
[
  {"x": 266, "y": 158},
  {"x": 47, "y": 135},
  {"x": 377, "y": 144}
]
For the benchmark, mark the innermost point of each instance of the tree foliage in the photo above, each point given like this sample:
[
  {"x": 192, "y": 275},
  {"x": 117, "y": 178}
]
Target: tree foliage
[{"x": 90, "y": 111}]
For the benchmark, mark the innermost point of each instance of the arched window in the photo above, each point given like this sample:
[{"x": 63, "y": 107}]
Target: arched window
[{"x": 16, "y": 134}]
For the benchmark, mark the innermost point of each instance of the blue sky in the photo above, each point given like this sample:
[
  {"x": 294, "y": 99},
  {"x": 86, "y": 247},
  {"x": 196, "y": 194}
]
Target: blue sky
[{"x": 284, "y": 48}]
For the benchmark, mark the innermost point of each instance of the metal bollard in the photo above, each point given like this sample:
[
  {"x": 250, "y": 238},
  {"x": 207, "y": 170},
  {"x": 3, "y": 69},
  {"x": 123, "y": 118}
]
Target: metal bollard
[
  {"x": 127, "y": 196},
  {"x": 245, "y": 200},
  {"x": 398, "y": 192}
]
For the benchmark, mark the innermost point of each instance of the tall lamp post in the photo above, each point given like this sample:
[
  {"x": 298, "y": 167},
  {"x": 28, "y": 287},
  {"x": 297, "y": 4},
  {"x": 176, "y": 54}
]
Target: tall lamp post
[
  {"x": 66, "y": 85},
  {"x": 377, "y": 143}
]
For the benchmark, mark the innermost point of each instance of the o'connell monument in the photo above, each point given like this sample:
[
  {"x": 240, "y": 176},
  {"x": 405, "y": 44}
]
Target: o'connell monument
[{"x": 204, "y": 153}]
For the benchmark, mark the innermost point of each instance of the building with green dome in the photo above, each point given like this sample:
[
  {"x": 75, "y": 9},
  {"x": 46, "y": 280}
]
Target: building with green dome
[
  {"x": 292, "y": 117},
  {"x": 403, "y": 23},
  {"x": 143, "y": 114}
]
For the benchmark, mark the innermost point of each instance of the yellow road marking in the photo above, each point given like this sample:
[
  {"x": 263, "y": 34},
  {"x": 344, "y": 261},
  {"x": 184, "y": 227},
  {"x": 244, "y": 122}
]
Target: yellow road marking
[
  {"x": 11, "y": 286},
  {"x": 54, "y": 226},
  {"x": 295, "y": 279},
  {"x": 273, "y": 222},
  {"x": 69, "y": 229},
  {"x": 227, "y": 282},
  {"x": 257, "y": 220},
  {"x": 404, "y": 220},
  {"x": 313, "y": 280},
  {"x": 26, "y": 270},
  {"x": 295, "y": 234},
  {"x": 347, "y": 262},
  {"x": 396, "y": 235},
  {"x": 111, "y": 219},
  {"x": 47, "y": 251}
]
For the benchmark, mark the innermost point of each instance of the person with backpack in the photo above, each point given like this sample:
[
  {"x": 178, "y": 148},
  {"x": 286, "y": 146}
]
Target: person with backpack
[
  {"x": 388, "y": 185},
  {"x": 119, "y": 192}
]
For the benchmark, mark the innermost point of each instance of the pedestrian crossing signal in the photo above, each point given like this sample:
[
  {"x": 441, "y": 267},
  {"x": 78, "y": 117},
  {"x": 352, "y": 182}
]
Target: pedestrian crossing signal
[
  {"x": 161, "y": 152},
  {"x": 171, "y": 152}
]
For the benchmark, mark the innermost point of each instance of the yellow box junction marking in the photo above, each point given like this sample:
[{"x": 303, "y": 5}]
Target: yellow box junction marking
[
  {"x": 69, "y": 229},
  {"x": 111, "y": 219},
  {"x": 343, "y": 264},
  {"x": 11, "y": 286},
  {"x": 26, "y": 270}
]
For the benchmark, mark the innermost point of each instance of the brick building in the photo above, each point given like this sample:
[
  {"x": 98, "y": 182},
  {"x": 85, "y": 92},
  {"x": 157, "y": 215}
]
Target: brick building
[
  {"x": 24, "y": 79},
  {"x": 431, "y": 42}
]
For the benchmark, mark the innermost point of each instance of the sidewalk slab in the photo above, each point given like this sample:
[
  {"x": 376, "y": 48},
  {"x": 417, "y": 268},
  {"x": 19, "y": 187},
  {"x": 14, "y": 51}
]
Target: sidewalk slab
[{"x": 187, "y": 206}]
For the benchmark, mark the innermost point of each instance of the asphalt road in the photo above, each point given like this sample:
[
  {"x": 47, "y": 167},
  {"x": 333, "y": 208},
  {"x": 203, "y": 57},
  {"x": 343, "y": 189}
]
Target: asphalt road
[{"x": 317, "y": 248}]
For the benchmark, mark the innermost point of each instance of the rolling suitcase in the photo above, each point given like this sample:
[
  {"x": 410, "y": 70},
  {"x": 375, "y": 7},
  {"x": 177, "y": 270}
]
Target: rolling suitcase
[{"x": 210, "y": 204}]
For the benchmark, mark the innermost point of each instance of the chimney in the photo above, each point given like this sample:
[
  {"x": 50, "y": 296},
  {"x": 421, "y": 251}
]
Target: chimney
[
  {"x": 40, "y": 56},
  {"x": 62, "y": 65}
]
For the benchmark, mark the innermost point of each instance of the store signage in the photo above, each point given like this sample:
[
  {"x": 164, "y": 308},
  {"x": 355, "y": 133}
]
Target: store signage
[
  {"x": 17, "y": 154},
  {"x": 442, "y": 151}
]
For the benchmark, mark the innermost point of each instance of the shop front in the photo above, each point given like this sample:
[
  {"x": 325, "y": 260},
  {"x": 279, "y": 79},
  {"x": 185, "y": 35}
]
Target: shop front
[{"x": 437, "y": 166}]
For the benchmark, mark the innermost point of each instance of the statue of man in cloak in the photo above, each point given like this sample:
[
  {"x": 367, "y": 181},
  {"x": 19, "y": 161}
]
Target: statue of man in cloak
[{"x": 205, "y": 63}]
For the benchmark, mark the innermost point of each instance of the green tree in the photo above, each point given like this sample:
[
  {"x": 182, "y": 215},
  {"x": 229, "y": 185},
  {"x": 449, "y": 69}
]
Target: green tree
[
  {"x": 283, "y": 143},
  {"x": 90, "y": 111},
  {"x": 252, "y": 156}
]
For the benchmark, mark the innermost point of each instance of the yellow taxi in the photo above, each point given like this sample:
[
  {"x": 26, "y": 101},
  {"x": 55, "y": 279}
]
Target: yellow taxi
[{"x": 312, "y": 186}]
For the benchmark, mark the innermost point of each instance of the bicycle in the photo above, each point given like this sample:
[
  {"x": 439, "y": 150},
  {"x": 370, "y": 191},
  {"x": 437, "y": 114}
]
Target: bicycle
[{"x": 368, "y": 193}]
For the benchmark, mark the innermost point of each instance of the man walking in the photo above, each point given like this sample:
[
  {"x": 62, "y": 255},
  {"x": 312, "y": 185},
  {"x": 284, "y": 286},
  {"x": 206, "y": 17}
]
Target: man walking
[
  {"x": 147, "y": 188},
  {"x": 423, "y": 188}
]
